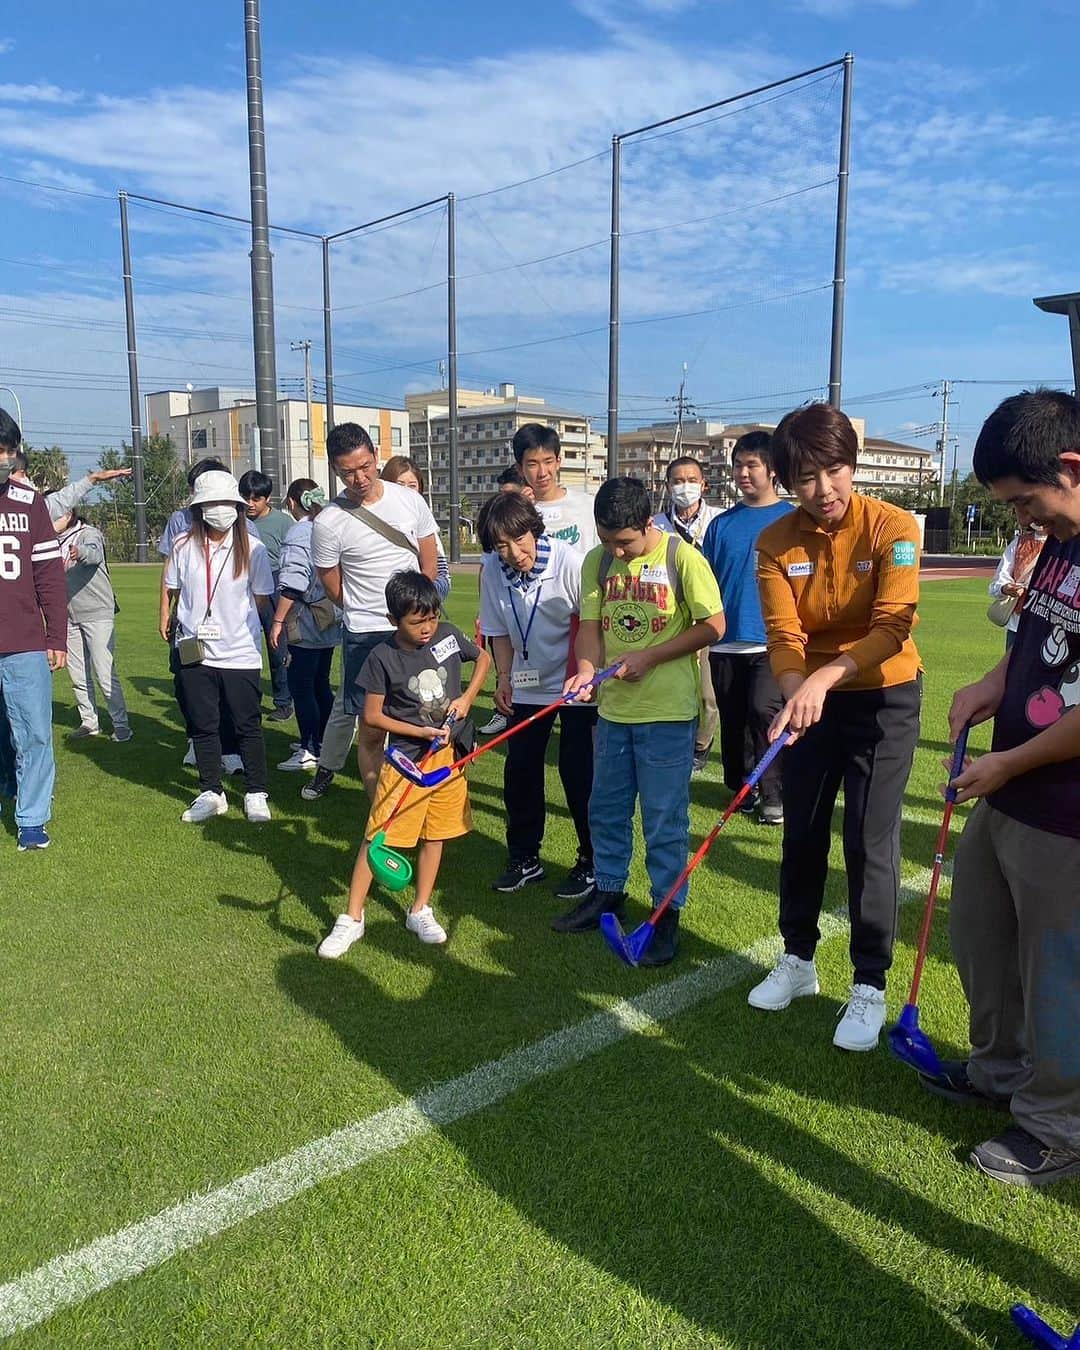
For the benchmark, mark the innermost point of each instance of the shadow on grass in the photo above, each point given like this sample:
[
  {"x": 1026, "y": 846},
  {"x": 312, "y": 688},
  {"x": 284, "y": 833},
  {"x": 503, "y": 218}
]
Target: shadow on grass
[{"x": 694, "y": 1166}]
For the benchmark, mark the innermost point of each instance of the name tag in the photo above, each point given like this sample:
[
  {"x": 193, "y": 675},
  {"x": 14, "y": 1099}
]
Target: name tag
[
  {"x": 551, "y": 515},
  {"x": 20, "y": 494},
  {"x": 655, "y": 574},
  {"x": 447, "y": 647},
  {"x": 525, "y": 679},
  {"x": 864, "y": 565},
  {"x": 801, "y": 569},
  {"x": 208, "y": 632}
]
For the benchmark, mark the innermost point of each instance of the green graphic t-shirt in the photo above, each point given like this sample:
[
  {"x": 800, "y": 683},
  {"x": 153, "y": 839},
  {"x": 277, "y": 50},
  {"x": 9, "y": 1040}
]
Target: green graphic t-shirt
[{"x": 637, "y": 610}]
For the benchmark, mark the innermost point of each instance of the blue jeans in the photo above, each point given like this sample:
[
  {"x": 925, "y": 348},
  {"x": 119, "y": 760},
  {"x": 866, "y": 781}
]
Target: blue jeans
[
  {"x": 355, "y": 650},
  {"x": 312, "y": 696},
  {"x": 650, "y": 761},
  {"x": 26, "y": 749},
  {"x": 279, "y": 672}
]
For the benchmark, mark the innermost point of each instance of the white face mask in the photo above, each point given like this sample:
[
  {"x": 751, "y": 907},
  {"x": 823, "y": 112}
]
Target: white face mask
[
  {"x": 6, "y": 467},
  {"x": 219, "y": 517},
  {"x": 685, "y": 495}
]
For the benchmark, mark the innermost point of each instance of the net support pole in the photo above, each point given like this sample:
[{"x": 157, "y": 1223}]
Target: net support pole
[
  {"x": 133, "y": 387},
  {"x": 262, "y": 274},
  {"x": 613, "y": 318},
  {"x": 328, "y": 340},
  {"x": 836, "y": 350},
  {"x": 451, "y": 361}
]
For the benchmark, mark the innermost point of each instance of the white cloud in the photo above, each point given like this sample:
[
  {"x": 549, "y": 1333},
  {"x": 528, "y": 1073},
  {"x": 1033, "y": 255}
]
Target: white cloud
[
  {"x": 838, "y": 9},
  {"x": 967, "y": 274},
  {"x": 36, "y": 93},
  {"x": 6, "y": 45}
]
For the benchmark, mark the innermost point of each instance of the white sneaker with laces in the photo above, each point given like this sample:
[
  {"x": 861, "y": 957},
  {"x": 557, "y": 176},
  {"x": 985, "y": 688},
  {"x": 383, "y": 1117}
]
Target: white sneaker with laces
[
  {"x": 299, "y": 760},
  {"x": 205, "y": 806},
  {"x": 495, "y": 726},
  {"x": 256, "y": 807},
  {"x": 188, "y": 762},
  {"x": 862, "y": 1020},
  {"x": 341, "y": 937},
  {"x": 790, "y": 978},
  {"x": 232, "y": 764},
  {"x": 424, "y": 924}
]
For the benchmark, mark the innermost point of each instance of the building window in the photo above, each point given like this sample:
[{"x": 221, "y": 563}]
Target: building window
[
  {"x": 375, "y": 435},
  {"x": 198, "y": 440},
  {"x": 303, "y": 429},
  {"x": 395, "y": 435},
  {"x": 213, "y": 436}
]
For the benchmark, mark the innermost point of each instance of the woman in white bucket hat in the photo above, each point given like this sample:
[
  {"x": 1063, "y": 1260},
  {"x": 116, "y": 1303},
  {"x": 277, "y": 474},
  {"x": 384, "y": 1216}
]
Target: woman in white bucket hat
[{"x": 218, "y": 576}]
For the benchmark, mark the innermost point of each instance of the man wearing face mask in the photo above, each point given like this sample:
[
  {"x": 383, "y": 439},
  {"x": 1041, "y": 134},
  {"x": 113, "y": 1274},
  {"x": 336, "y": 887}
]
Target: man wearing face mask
[
  {"x": 33, "y": 643},
  {"x": 689, "y": 516}
]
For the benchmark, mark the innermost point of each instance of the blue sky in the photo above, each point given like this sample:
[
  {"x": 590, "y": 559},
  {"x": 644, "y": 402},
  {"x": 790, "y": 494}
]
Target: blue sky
[{"x": 963, "y": 199}]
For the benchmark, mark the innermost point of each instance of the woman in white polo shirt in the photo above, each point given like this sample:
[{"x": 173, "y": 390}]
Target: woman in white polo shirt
[
  {"x": 218, "y": 576},
  {"x": 530, "y": 586}
]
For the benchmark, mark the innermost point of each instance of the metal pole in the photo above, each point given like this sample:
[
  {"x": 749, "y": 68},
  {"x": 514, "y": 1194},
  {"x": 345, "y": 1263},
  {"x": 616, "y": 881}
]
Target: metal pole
[
  {"x": 305, "y": 347},
  {"x": 451, "y": 354},
  {"x": 836, "y": 355},
  {"x": 613, "y": 321},
  {"x": 262, "y": 272},
  {"x": 1074, "y": 342},
  {"x": 133, "y": 388},
  {"x": 946, "y": 391},
  {"x": 15, "y": 400},
  {"x": 328, "y": 337}
]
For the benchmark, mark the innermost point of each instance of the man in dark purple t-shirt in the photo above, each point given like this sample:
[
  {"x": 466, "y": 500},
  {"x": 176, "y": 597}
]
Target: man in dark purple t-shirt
[
  {"x": 33, "y": 643},
  {"x": 1015, "y": 913}
]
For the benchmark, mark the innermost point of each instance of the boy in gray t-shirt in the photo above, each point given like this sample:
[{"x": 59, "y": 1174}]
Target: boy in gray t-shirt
[{"x": 412, "y": 685}]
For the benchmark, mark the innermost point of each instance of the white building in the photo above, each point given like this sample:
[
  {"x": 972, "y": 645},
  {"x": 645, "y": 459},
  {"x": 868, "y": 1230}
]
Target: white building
[{"x": 222, "y": 421}]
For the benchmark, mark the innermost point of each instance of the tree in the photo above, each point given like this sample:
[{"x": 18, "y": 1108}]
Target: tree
[
  {"x": 48, "y": 469},
  {"x": 166, "y": 489},
  {"x": 991, "y": 516}
]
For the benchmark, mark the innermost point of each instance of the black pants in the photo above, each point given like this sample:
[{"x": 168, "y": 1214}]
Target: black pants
[
  {"x": 865, "y": 740},
  {"x": 228, "y": 731},
  {"x": 748, "y": 698},
  {"x": 211, "y": 695},
  {"x": 309, "y": 685},
  {"x": 523, "y": 777}
]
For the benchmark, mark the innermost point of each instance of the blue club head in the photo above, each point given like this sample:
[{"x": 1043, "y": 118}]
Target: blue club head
[
  {"x": 405, "y": 766},
  {"x": 628, "y": 947},
  {"x": 908, "y": 1043},
  {"x": 1037, "y": 1331}
]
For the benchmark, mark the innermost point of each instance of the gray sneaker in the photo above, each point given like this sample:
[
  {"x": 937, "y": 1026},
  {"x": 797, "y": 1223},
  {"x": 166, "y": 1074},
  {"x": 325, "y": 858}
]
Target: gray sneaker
[{"x": 771, "y": 813}]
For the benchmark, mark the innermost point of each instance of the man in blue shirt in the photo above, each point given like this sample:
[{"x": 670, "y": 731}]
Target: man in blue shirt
[{"x": 747, "y": 694}]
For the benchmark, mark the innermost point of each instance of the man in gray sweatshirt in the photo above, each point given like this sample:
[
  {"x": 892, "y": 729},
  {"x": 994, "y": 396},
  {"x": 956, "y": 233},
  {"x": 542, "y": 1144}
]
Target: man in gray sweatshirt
[{"x": 91, "y": 627}]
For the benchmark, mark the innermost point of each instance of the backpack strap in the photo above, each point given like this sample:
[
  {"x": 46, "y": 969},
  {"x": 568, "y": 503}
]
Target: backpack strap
[{"x": 674, "y": 580}]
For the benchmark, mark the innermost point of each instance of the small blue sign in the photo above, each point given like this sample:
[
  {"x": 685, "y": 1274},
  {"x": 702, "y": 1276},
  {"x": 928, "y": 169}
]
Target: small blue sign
[{"x": 971, "y": 515}]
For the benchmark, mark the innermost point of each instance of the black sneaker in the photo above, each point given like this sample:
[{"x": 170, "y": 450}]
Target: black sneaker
[
  {"x": 1019, "y": 1159},
  {"x": 311, "y": 792},
  {"x": 586, "y": 914},
  {"x": 579, "y": 882},
  {"x": 749, "y": 803},
  {"x": 520, "y": 873},
  {"x": 281, "y": 713},
  {"x": 954, "y": 1084},
  {"x": 665, "y": 940},
  {"x": 770, "y": 813}
]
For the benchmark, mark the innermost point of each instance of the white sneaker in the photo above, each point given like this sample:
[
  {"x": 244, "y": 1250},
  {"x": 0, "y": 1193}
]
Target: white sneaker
[
  {"x": 424, "y": 924},
  {"x": 232, "y": 764},
  {"x": 189, "y": 759},
  {"x": 256, "y": 807},
  {"x": 864, "y": 1015},
  {"x": 790, "y": 978},
  {"x": 495, "y": 727},
  {"x": 301, "y": 759},
  {"x": 341, "y": 937},
  {"x": 204, "y": 807}
]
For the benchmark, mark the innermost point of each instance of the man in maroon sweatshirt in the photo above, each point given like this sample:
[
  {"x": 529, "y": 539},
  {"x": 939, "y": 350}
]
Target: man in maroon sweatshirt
[{"x": 33, "y": 643}]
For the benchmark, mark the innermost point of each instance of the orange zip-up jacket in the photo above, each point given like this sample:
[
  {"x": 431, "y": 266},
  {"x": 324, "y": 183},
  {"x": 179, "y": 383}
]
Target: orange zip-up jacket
[{"x": 851, "y": 590}]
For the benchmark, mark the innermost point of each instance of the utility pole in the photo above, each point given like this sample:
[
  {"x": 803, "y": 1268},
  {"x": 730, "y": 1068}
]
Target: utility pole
[
  {"x": 133, "y": 387},
  {"x": 682, "y": 407},
  {"x": 945, "y": 395},
  {"x": 262, "y": 268},
  {"x": 305, "y": 347}
]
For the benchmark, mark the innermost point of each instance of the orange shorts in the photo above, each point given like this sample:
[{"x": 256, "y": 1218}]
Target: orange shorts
[{"x": 430, "y": 813}]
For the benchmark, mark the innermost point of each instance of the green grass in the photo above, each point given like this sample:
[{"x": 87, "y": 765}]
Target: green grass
[{"x": 727, "y": 1180}]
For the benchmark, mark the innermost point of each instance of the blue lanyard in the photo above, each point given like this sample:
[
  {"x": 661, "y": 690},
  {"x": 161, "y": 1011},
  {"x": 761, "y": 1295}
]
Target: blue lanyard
[{"x": 524, "y": 632}]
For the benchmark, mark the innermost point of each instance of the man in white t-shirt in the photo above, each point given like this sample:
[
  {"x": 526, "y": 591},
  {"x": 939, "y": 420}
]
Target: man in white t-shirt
[
  {"x": 358, "y": 542},
  {"x": 567, "y": 515}
]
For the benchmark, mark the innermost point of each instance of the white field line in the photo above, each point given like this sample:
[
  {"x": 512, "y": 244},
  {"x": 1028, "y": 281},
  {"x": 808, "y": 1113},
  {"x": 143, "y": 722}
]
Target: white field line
[{"x": 35, "y": 1296}]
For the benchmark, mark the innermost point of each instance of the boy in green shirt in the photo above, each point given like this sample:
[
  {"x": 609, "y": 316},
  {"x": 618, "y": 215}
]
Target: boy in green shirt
[{"x": 649, "y": 603}]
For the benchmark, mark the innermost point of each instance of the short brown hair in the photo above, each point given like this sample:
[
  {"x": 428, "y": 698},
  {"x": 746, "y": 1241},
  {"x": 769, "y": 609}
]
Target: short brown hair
[
  {"x": 507, "y": 516},
  {"x": 812, "y": 438}
]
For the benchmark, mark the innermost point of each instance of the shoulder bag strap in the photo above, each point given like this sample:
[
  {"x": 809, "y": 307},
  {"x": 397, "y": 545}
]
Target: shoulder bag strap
[{"x": 374, "y": 522}]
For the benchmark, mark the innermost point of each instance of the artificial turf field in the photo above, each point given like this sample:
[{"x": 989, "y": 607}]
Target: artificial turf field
[{"x": 719, "y": 1177}]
